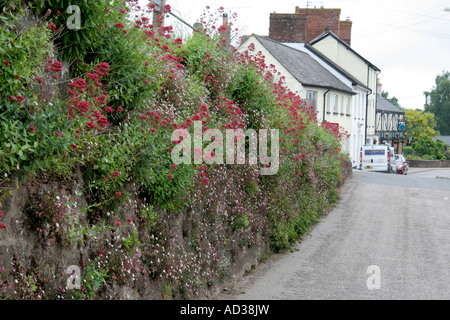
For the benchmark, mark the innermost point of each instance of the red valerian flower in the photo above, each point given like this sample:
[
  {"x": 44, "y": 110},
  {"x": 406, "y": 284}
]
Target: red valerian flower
[
  {"x": 100, "y": 100},
  {"x": 205, "y": 180},
  {"x": 173, "y": 167},
  {"x": 118, "y": 223},
  {"x": 83, "y": 106},
  {"x": 90, "y": 125},
  {"x": 118, "y": 194},
  {"x": 92, "y": 76},
  {"x": 119, "y": 25},
  {"x": 6, "y": 63},
  {"x": 119, "y": 109},
  {"x": 115, "y": 173},
  {"x": 102, "y": 69},
  {"x": 170, "y": 176},
  {"x": 79, "y": 84},
  {"x": 129, "y": 220},
  {"x": 74, "y": 146},
  {"x": 2, "y": 226},
  {"x": 102, "y": 121},
  {"x": 32, "y": 129},
  {"x": 1, "y": 214},
  {"x": 56, "y": 66},
  {"x": 52, "y": 26}
]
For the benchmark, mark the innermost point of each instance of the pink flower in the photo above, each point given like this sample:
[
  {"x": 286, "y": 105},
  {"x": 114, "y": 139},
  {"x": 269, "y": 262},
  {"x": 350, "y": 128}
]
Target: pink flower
[
  {"x": 2, "y": 226},
  {"x": 129, "y": 220},
  {"x": 118, "y": 194},
  {"x": 32, "y": 129},
  {"x": 169, "y": 176},
  {"x": 119, "y": 109},
  {"x": 119, "y": 25},
  {"x": 118, "y": 223},
  {"x": 6, "y": 63},
  {"x": 1, "y": 214}
]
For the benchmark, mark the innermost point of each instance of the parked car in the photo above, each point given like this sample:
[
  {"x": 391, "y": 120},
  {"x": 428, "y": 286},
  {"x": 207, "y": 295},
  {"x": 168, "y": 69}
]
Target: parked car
[{"x": 402, "y": 165}]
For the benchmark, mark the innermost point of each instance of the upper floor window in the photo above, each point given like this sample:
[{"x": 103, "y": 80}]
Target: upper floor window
[
  {"x": 311, "y": 99},
  {"x": 335, "y": 103},
  {"x": 347, "y": 109}
]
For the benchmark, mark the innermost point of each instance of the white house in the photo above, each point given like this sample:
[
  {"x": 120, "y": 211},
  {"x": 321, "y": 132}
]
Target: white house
[
  {"x": 339, "y": 52},
  {"x": 331, "y": 97},
  {"x": 358, "y": 103}
]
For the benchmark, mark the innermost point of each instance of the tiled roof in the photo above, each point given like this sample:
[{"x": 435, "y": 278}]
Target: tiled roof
[
  {"x": 302, "y": 66},
  {"x": 386, "y": 106}
]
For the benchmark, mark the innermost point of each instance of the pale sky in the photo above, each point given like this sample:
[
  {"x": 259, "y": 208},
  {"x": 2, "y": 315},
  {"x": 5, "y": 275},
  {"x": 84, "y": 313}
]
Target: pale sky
[{"x": 408, "y": 40}]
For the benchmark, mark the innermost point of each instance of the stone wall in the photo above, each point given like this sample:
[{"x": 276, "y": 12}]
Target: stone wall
[{"x": 428, "y": 163}]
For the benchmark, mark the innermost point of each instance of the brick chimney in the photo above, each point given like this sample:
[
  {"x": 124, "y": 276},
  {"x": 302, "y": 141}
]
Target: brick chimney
[
  {"x": 306, "y": 24},
  {"x": 345, "y": 31}
]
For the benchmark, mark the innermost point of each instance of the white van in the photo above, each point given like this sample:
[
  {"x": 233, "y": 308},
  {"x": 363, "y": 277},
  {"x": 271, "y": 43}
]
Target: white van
[{"x": 377, "y": 157}]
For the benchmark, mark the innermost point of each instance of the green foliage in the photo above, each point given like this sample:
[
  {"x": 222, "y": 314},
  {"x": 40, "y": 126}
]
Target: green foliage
[
  {"x": 77, "y": 44},
  {"x": 248, "y": 88},
  {"x": 93, "y": 278},
  {"x": 427, "y": 147},
  {"x": 438, "y": 102},
  {"x": 24, "y": 52},
  {"x": 419, "y": 124},
  {"x": 131, "y": 243},
  {"x": 33, "y": 150}
]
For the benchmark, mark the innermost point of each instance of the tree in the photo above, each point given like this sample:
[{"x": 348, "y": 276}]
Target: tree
[
  {"x": 420, "y": 124},
  {"x": 438, "y": 102}
]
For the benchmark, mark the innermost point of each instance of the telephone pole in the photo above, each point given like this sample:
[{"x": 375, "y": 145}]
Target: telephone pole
[{"x": 158, "y": 14}]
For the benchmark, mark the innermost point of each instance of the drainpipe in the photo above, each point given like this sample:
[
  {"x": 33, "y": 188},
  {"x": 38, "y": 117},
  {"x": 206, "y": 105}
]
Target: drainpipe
[
  {"x": 324, "y": 103},
  {"x": 367, "y": 105}
]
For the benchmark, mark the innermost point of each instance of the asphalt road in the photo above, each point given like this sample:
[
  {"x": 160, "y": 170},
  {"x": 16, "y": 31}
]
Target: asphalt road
[{"x": 388, "y": 238}]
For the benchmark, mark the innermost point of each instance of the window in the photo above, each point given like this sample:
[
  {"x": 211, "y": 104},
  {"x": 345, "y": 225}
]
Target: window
[
  {"x": 348, "y": 106},
  {"x": 335, "y": 103},
  {"x": 311, "y": 99},
  {"x": 328, "y": 102}
]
